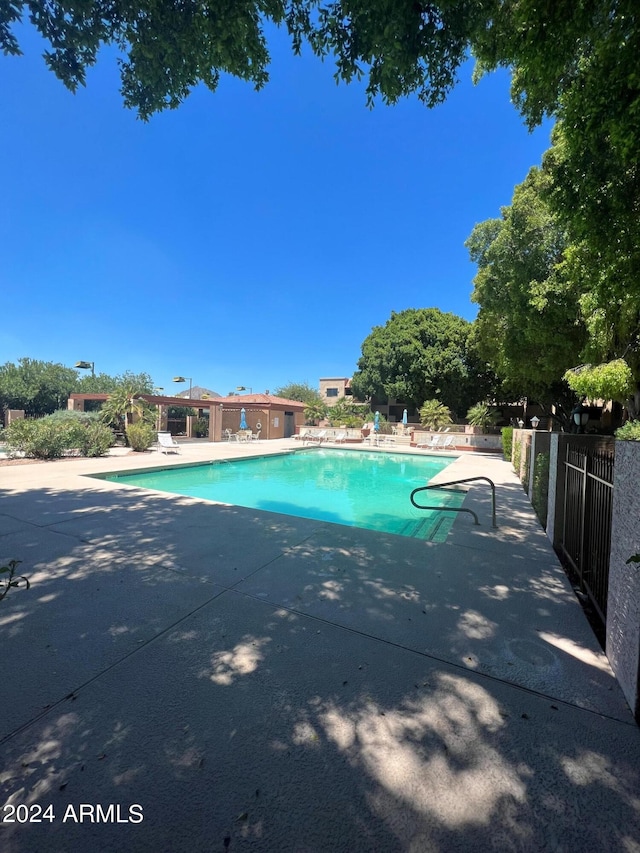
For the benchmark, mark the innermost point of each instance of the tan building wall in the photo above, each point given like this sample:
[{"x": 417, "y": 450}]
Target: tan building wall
[{"x": 334, "y": 389}]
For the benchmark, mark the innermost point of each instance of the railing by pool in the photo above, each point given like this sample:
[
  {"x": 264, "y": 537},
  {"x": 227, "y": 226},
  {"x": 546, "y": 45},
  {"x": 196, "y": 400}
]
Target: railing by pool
[{"x": 443, "y": 486}]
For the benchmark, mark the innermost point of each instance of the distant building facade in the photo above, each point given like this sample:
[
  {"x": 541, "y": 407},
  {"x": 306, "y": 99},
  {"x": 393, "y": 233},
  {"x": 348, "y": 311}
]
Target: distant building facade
[{"x": 333, "y": 389}]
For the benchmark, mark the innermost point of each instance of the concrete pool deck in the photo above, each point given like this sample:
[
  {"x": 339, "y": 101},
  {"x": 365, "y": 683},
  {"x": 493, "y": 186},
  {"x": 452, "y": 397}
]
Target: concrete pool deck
[{"x": 249, "y": 681}]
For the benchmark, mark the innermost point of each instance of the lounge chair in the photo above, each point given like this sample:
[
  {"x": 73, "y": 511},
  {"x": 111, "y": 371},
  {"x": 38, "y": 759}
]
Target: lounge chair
[
  {"x": 166, "y": 444},
  {"x": 432, "y": 443},
  {"x": 340, "y": 436},
  {"x": 448, "y": 442},
  {"x": 255, "y": 436},
  {"x": 301, "y": 435},
  {"x": 317, "y": 436}
]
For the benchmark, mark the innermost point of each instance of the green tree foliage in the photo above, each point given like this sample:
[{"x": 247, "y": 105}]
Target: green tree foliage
[
  {"x": 315, "y": 412},
  {"x": 167, "y": 48},
  {"x": 482, "y": 415},
  {"x": 434, "y": 414},
  {"x": 420, "y": 354},
  {"x": 38, "y": 387},
  {"x": 611, "y": 381},
  {"x": 530, "y": 326},
  {"x": 102, "y": 383},
  {"x": 301, "y": 391},
  {"x": 347, "y": 413},
  {"x": 123, "y": 404}
]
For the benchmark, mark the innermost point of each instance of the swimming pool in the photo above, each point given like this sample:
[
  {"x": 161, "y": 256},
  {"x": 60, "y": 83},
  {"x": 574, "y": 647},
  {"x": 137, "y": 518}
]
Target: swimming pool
[{"x": 359, "y": 489}]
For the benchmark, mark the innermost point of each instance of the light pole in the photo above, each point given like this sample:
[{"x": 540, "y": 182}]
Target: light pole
[
  {"x": 242, "y": 388},
  {"x": 184, "y": 379},
  {"x": 86, "y": 365},
  {"x": 580, "y": 417}
]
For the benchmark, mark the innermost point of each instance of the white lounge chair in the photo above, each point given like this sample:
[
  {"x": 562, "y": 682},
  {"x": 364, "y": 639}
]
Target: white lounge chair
[
  {"x": 318, "y": 436},
  {"x": 448, "y": 442},
  {"x": 432, "y": 443},
  {"x": 340, "y": 436},
  {"x": 166, "y": 444}
]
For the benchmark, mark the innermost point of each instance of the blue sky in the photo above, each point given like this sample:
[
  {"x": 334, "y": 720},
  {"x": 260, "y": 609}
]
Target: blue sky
[{"x": 247, "y": 238}]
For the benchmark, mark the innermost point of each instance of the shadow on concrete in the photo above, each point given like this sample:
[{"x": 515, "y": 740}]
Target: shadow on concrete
[{"x": 256, "y": 682}]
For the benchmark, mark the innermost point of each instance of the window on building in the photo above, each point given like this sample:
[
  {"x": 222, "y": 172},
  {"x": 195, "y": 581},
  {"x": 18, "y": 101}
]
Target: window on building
[{"x": 332, "y": 392}]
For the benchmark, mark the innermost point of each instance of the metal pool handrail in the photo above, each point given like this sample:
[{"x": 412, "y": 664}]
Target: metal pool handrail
[{"x": 458, "y": 508}]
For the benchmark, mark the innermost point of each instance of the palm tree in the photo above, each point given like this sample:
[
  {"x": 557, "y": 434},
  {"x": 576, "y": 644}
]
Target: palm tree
[
  {"x": 315, "y": 411},
  {"x": 483, "y": 416},
  {"x": 434, "y": 414},
  {"x": 123, "y": 403}
]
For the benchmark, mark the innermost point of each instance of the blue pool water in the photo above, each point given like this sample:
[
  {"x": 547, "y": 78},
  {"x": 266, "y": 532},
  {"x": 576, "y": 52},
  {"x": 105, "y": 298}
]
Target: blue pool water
[{"x": 369, "y": 490}]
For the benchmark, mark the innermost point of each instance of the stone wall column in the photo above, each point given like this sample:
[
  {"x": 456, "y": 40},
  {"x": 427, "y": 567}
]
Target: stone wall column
[{"x": 623, "y": 603}]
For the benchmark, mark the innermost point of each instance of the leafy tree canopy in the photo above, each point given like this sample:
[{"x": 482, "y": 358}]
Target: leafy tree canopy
[
  {"x": 420, "y": 354},
  {"x": 611, "y": 381},
  {"x": 301, "y": 391},
  {"x": 43, "y": 387},
  {"x": 105, "y": 384},
  {"x": 559, "y": 53},
  {"x": 38, "y": 387},
  {"x": 530, "y": 326}
]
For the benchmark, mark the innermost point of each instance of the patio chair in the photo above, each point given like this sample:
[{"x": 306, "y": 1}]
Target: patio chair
[
  {"x": 166, "y": 444},
  {"x": 432, "y": 443},
  {"x": 448, "y": 442},
  {"x": 318, "y": 436},
  {"x": 340, "y": 436},
  {"x": 255, "y": 436}
]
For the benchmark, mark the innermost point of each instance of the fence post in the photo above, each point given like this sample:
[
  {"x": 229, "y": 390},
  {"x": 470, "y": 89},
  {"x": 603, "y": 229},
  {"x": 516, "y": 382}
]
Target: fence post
[{"x": 623, "y": 606}]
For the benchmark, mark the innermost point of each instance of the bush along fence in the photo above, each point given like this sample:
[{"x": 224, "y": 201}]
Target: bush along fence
[{"x": 585, "y": 492}]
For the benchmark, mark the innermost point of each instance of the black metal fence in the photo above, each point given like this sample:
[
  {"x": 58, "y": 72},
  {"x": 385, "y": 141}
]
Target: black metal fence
[{"x": 584, "y": 539}]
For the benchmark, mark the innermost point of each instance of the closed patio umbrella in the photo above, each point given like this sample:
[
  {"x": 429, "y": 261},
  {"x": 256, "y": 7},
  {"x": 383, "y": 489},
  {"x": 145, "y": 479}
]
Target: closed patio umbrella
[
  {"x": 376, "y": 422},
  {"x": 243, "y": 422},
  {"x": 404, "y": 417}
]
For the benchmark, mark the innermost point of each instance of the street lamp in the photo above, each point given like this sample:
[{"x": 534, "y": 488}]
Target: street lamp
[
  {"x": 183, "y": 379},
  {"x": 242, "y": 388},
  {"x": 158, "y": 389},
  {"x": 580, "y": 417},
  {"x": 86, "y": 365}
]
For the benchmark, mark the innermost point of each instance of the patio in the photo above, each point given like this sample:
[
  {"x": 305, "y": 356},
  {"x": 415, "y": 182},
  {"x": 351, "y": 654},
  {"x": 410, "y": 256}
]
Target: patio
[{"x": 255, "y": 681}]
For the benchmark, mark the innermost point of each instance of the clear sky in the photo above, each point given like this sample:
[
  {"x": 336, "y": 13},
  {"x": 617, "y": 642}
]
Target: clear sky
[{"x": 247, "y": 238}]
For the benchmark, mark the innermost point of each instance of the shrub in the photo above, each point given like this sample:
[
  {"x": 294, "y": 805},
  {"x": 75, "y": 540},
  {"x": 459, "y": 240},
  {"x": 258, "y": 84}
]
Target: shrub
[
  {"x": 507, "y": 442},
  {"x": 200, "y": 427},
  {"x": 140, "y": 436},
  {"x": 37, "y": 439},
  {"x": 629, "y": 432},
  {"x": 517, "y": 451},
  {"x": 53, "y": 436},
  {"x": 97, "y": 439},
  {"x": 540, "y": 488}
]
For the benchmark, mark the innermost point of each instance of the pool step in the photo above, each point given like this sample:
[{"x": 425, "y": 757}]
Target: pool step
[{"x": 429, "y": 529}]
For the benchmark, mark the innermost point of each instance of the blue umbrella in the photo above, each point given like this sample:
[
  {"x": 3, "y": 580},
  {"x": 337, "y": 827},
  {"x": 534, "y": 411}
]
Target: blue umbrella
[
  {"x": 376, "y": 422},
  {"x": 404, "y": 417},
  {"x": 243, "y": 422}
]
